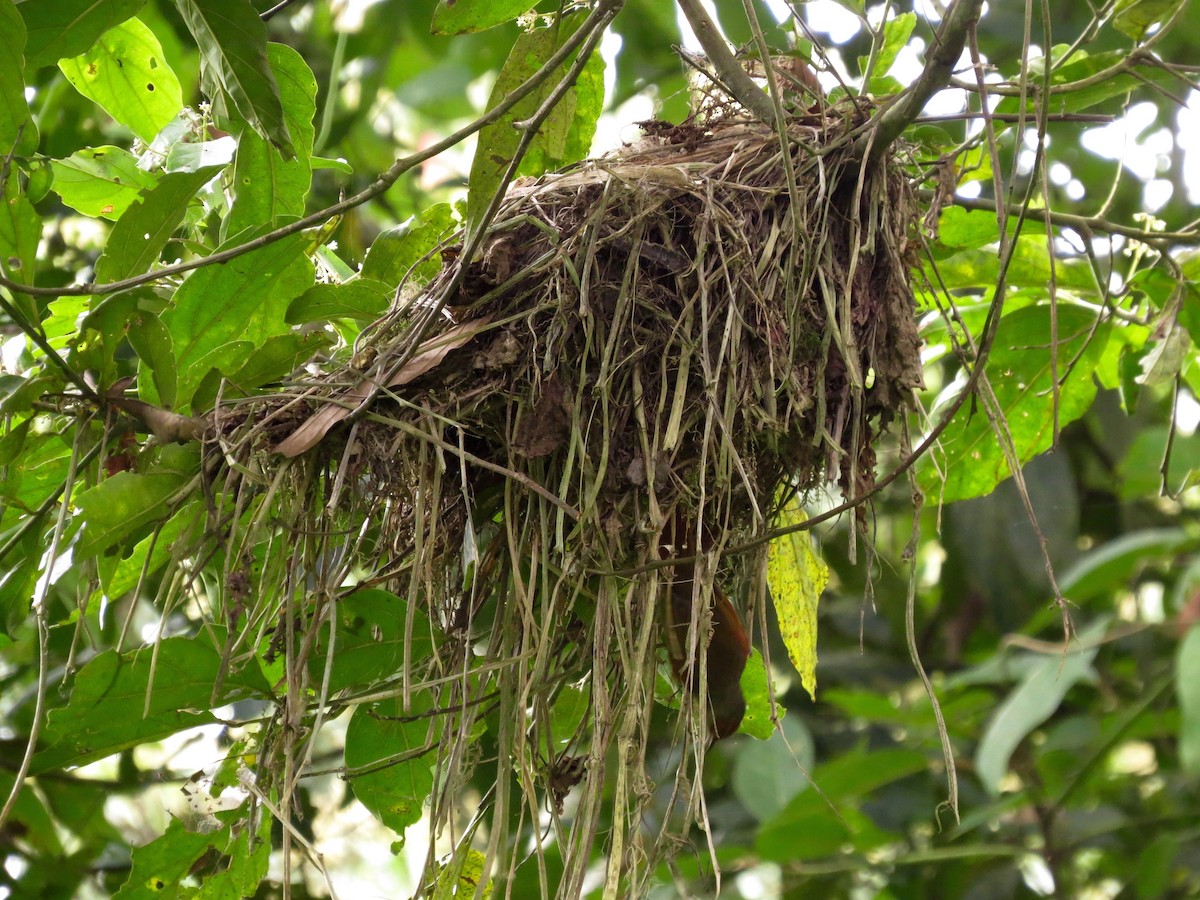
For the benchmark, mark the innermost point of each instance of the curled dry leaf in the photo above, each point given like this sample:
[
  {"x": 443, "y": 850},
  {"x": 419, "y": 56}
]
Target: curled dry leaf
[{"x": 429, "y": 354}]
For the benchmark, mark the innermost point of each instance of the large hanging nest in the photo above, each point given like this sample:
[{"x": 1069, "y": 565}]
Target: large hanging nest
[{"x": 547, "y": 441}]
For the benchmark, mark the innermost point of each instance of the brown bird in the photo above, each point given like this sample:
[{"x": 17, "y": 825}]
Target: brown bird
[{"x": 728, "y": 646}]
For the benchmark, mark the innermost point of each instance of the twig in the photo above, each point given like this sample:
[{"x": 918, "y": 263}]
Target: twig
[{"x": 1084, "y": 223}]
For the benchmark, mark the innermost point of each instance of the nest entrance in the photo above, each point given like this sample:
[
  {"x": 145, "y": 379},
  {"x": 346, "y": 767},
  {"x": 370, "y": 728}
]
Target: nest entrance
[{"x": 672, "y": 338}]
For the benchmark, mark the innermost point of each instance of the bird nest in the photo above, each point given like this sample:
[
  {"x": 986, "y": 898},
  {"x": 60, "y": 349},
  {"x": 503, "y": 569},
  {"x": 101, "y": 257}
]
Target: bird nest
[{"x": 648, "y": 355}]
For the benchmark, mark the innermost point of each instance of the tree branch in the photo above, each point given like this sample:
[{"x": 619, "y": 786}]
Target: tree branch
[
  {"x": 377, "y": 187},
  {"x": 939, "y": 66},
  {"x": 736, "y": 78},
  {"x": 1083, "y": 224}
]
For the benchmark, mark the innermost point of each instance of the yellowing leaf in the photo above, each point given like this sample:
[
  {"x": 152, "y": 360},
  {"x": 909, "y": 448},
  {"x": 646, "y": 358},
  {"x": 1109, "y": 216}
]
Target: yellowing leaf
[{"x": 797, "y": 575}]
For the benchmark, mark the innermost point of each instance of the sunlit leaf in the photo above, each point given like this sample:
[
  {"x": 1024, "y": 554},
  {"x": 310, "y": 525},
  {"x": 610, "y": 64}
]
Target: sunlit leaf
[
  {"x": 20, "y": 235},
  {"x": 135, "y": 242},
  {"x": 242, "y": 300},
  {"x": 122, "y": 700},
  {"x": 15, "y": 121},
  {"x": 463, "y": 16},
  {"x": 462, "y": 877},
  {"x": 409, "y": 249},
  {"x": 1019, "y": 370},
  {"x": 797, "y": 576},
  {"x": 1136, "y": 17},
  {"x": 364, "y": 299},
  {"x": 1187, "y": 687},
  {"x": 498, "y": 141},
  {"x": 125, "y": 73},
  {"x": 756, "y": 721},
  {"x": 101, "y": 182},
  {"x": 895, "y": 34}
]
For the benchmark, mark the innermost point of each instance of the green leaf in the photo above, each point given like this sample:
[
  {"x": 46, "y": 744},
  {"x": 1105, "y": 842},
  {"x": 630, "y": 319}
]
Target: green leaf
[
  {"x": 241, "y": 300},
  {"x": 371, "y": 640},
  {"x": 20, "y": 577},
  {"x": 896, "y": 33},
  {"x": 967, "y": 228},
  {"x": 137, "y": 240},
  {"x": 1020, "y": 375},
  {"x": 1136, "y": 17},
  {"x": 463, "y": 16},
  {"x": 378, "y": 739},
  {"x": 125, "y": 73},
  {"x": 461, "y": 876},
  {"x": 164, "y": 862},
  {"x": 1187, "y": 687},
  {"x": 1081, "y": 69},
  {"x": 797, "y": 576},
  {"x": 337, "y": 165},
  {"x": 566, "y": 135},
  {"x": 364, "y": 299},
  {"x": 122, "y": 700},
  {"x": 1032, "y": 702},
  {"x": 15, "y": 122},
  {"x": 1140, "y": 471},
  {"x": 233, "y": 45},
  {"x": 409, "y": 246},
  {"x": 277, "y": 358},
  {"x": 152, "y": 342},
  {"x": 101, "y": 182},
  {"x": 757, "y": 721},
  {"x": 826, "y": 817},
  {"x": 152, "y": 552},
  {"x": 229, "y": 863},
  {"x": 123, "y": 504},
  {"x": 270, "y": 188},
  {"x": 20, "y": 234},
  {"x": 767, "y": 774},
  {"x": 1030, "y": 267},
  {"x": 498, "y": 141},
  {"x": 64, "y": 28},
  {"x": 1113, "y": 565}
]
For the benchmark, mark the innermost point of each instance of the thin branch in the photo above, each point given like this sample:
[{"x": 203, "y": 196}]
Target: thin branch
[
  {"x": 948, "y": 47},
  {"x": 275, "y": 10},
  {"x": 1083, "y": 224}
]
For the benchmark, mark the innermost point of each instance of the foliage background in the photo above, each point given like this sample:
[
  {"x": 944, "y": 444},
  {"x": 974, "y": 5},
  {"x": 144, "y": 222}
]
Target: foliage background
[{"x": 1076, "y": 764}]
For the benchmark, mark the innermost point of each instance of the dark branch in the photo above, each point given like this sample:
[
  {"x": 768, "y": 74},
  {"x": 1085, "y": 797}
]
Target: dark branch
[
  {"x": 939, "y": 66},
  {"x": 735, "y": 78},
  {"x": 275, "y": 10}
]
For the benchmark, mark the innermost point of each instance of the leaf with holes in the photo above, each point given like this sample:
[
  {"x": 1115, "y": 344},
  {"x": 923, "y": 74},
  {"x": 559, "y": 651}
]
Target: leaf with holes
[{"x": 125, "y": 73}]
